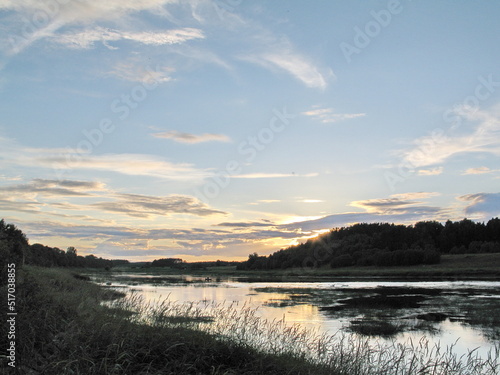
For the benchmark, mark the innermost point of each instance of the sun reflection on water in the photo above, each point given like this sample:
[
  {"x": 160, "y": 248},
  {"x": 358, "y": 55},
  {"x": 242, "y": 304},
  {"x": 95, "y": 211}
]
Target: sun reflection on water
[{"x": 292, "y": 302}]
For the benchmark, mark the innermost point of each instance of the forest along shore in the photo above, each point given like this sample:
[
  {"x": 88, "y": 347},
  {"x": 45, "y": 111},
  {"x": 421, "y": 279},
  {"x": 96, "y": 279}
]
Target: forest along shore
[{"x": 451, "y": 267}]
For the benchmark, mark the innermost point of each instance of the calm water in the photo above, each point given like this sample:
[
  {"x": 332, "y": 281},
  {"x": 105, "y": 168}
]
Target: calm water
[{"x": 470, "y": 309}]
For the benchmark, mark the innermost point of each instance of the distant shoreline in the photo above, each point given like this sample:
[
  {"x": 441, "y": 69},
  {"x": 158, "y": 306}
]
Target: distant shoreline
[{"x": 456, "y": 267}]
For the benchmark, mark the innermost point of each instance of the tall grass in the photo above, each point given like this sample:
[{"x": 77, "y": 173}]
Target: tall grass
[
  {"x": 341, "y": 353},
  {"x": 64, "y": 327}
]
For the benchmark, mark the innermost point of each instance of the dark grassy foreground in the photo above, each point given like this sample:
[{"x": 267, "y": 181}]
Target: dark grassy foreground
[{"x": 64, "y": 329}]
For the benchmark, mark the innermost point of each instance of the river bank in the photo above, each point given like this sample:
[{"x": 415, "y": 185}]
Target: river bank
[
  {"x": 452, "y": 267},
  {"x": 64, "y": 328}
]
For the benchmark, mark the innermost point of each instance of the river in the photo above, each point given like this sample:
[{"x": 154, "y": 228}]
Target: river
[{"x": 458, "y": 314}]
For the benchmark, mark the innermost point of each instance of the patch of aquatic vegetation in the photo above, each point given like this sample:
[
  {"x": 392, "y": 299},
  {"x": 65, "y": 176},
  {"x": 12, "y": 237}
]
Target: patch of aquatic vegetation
[
  {"x": 155, "y": 280},
  {"x": 422, "y": 308},
  {"x": 280, "y": 303},
  {"x": 389, "y": 327},
  {"x": 376, "y": 327},
  {"x": 482, "y": 313},
  {"x": 341, "y": 353},
  {"x": 288, "y": 301}
]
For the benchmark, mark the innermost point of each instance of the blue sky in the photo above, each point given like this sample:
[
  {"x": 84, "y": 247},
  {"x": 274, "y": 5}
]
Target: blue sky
[{"x": 213, "y": 129}]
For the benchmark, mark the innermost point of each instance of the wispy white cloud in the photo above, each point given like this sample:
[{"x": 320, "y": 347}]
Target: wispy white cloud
[
  {"x": 87, "y": 38},
  {"x": 54, "y": 187},
  {"x": 439, "y": 147},
  {"x": 274, "y": 175},
  {"x": 398, "y": 208},
  {"x": 144, "y": 206},
  {"x": 404, "y": 208},
  {"x": 192, "y": 138},
  {"x": 395, "y": 204},
  {"x": 58, "y": 15},
  {"x": 62, "y": 160},
  {"x": 10, "y": 178},
  {"x": 479, "y": 170},
  {"x": 246, "y": 224},
  {"x": 296, "y": 65},
  {"x": 278, "y": 53},
  {"x": 134, "y": 71},
  {"x": 131, "y": 164},
  {"x": 85, "y": 11},
  {"x": 195, "y": 54},
  {"x": 430, "y": 172},
  {"x": 37, "y": 196},
  {"x": 81, "y": 25},
  {"x": 415, "y": 195},
  {"x": 328, "y": 115},
  {"x": 482, "y": 206},
  {"x": 350, "y": 218},
  {"x": 264, "y": 201}
]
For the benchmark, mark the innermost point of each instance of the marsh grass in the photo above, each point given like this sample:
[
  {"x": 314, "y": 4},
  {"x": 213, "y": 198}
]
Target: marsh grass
[
  {"x": 341, "y": 353},
  {"x": 77, "y": 333},
  {"x": 376, "y": 327},
  {"x": 69, "y": 326},
  {"x": 416, "y": 309}
]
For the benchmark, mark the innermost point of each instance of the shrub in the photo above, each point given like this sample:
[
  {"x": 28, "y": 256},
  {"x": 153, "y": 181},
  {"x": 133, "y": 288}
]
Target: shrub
[
  {"x": 431, "y": 257},
  {"x": 344, "y": 260},
  {"x": 410, "y": 257}
]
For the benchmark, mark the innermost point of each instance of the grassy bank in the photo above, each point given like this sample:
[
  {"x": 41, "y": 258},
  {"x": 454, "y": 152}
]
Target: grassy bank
[
  {"x": 64, "y": 328},
  {"x": 460, "y": 267}
]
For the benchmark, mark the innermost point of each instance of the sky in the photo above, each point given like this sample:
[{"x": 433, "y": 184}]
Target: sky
[{"x": 207, "y": 130}]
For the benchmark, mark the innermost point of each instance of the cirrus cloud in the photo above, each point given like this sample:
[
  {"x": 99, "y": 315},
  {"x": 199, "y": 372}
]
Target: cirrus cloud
[
  {"x": 482, "y": 206},
  {"x": 479, "y": 170},
  {"x": 61, "y": 160},
  {"x": 189, "y": 138},
  {"x": 328, "y": 115},
  {"x": 86, "y": 39},
  {"x": 483, "y": 136},
  {"x": 144, "y": 206}
]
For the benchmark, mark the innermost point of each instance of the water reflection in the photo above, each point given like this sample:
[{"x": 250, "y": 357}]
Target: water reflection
[{"x": 325, "y": 306}]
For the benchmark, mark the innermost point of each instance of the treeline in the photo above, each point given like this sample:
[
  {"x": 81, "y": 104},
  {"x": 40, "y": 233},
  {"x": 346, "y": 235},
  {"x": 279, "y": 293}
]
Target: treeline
[
  {"x": 15, "y": 248},
  {"x": 384, "y": 244},
  {"x": 182, "y": 264},
  {"x": 167, "y": 262}
]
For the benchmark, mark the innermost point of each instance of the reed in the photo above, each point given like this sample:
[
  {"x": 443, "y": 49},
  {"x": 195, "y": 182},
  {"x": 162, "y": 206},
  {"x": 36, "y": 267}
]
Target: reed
[{"x": 341, "y": 353}]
